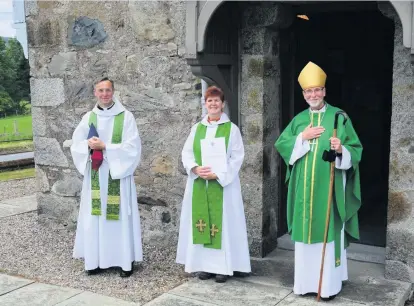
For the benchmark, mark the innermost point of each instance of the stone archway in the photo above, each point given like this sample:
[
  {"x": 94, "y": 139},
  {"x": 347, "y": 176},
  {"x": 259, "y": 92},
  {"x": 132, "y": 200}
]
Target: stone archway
[
  {"x": 207, "y": 9},
  {"x": 259, "y": 127}
]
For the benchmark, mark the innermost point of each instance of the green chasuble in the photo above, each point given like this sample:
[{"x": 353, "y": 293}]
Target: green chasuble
[
  {"x": 207, "y": 199},
  {"x": 308, "y": 182},
  {"x": 114, "y": 186}
]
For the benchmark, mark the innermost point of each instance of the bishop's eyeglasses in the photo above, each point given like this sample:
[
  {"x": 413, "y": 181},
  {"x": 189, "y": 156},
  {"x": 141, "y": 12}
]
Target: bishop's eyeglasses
[{"x": 311, "y": 91}]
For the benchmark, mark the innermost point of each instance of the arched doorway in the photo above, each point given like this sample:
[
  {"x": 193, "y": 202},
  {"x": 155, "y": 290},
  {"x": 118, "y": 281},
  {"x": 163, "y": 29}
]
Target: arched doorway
[
  {"x": 269, "y": 36},
  {"x": 353, "y": 42}
]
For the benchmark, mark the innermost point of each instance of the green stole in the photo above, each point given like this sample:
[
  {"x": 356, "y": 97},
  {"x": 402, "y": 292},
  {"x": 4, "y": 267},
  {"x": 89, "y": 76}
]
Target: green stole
[
  {"x": 114, "y": 186},
  {"x": 207, "y": 200},
  {"x": 308, "y": 181}
]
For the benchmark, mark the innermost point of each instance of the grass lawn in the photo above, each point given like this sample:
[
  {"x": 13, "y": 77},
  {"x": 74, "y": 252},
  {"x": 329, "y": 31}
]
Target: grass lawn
[
  {"x": 17, "y": 174},
  {"x": 24, "y": 127},
  {"x": 11, "y": 147}
]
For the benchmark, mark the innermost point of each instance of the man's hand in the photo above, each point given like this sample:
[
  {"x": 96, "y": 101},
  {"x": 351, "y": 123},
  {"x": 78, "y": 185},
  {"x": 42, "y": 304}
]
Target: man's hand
[
  {"x": 204, "y": 172},
  {"x": 336, "y": 144},
  {"x": 312, "y": 132},
  {"x": 96, "y": 144}
]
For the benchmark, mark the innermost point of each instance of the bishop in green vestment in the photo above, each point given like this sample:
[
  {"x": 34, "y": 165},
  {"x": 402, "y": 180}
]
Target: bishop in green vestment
[{"x": 301, "y": 146}]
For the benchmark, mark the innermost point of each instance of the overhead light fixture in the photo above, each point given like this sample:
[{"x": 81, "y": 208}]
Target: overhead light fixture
[{"x": 303, "y": 17}]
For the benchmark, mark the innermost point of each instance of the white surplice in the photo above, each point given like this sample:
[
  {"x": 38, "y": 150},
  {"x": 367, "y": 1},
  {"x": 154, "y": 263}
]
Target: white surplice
[
  {"x": 308, "y": 257},
  {"x": 234, "y": 253},
  {"x": 109, "y": 243}
]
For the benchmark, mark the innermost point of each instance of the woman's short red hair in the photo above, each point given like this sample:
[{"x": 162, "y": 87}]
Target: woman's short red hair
[{"x": 214, "y": 91}]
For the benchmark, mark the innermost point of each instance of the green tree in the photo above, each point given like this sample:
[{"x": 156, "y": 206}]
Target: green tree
[
  {"x": 6, "y": 103},
  {"x": 14, "y": 75}
]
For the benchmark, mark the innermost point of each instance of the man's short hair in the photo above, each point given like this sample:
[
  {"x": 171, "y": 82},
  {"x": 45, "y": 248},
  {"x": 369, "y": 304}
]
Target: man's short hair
[{"x": 103, "y": 80}]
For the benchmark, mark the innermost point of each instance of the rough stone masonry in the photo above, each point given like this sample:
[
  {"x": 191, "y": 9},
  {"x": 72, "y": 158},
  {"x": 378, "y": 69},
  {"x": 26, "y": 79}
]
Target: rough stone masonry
[{"x": 140, "y": 45}]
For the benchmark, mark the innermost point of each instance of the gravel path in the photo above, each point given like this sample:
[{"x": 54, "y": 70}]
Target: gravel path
[
  {"x": 44, "y": 253},
  {"x": 17, "y": 188},
  {"x": 32, "y": 250}
]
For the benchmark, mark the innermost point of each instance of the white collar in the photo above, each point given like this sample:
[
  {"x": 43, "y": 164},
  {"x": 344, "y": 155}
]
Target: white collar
[
  {"x": 323, "y": 109},
  {"x": 116, "y": 109},
  {"x": 223, "y": 119}
]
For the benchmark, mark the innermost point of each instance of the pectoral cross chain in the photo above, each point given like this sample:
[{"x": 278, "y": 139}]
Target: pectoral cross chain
[{"x": 312, "y": 143}]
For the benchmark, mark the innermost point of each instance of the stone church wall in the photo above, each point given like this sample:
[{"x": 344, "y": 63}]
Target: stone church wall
[{"x": 140, "y": 45}]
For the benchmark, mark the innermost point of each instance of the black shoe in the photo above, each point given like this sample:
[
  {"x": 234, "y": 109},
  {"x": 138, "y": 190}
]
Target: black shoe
[
  {"x": 221, "y": 278},
  {"x": 94, "y": 271},
  {"x": 329, "y": 298},
  {"x": 125, "y": 273},
  {"x": 205, "y": 275},
  {"x": 240, "y": 274}
]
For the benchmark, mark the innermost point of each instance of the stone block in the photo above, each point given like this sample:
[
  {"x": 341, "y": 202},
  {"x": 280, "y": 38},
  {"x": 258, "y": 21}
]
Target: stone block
[
  {"x": 68, "y": 187},
  {"x": 47, "y": 92},
  {"x": 151, "y": 201},
  {"x": 151, "y": 21},
  {"x": 39, "y": 121},
  {"x": 173, "y": 300},
  {"x": 157, "y": 238},
  {"x": 182, "y": 86},
  {"x": 62, "y": 63},
  {"x": 400, "y": 205},
  {"x": 85, "y": 32},
  {"x": 42, "y": 180},
  {"x": 80, "y": 94},
  {"x": 162, "y": 165},
  {"x": 253, "y": 40},
  {"x": 30, "y": 8},
  {"x": 401, "y": 169},
  {"x": 89, "y": 298},
  {"x": 43, "y": 32},
  {"x": 400, "y": 242},
  {"x": 62, "y": 209},
  {"x": 268, "y": 14},
  {"x": 155, "y": 69},
  {"x": 67, "y": 143},
  {"x": 38, "y": 294},
  {"x": 48, "y": 152},
  {"x": 10, "y": 283},
  {"x": 232, "y": 293},
  {"x": 255, "y": 67},
  {"x": 402, "y": 125},
  {"x": 398, "y": 270}
]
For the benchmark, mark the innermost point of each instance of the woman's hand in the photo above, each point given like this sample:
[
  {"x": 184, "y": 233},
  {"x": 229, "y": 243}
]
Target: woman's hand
[{"x": 204, "y": 172}]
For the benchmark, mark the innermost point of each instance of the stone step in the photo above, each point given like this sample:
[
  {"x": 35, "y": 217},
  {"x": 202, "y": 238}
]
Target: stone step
[
  {"x": 366, "y": 285},
  {"x": 355, "y": 251}
]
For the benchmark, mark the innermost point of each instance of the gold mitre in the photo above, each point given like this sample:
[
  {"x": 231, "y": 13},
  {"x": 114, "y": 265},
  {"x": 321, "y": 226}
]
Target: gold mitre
[{"x": 312, "y": 76}]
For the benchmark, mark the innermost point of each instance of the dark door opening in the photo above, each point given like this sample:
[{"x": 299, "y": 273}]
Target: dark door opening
[{"x": 355, "y": 48}]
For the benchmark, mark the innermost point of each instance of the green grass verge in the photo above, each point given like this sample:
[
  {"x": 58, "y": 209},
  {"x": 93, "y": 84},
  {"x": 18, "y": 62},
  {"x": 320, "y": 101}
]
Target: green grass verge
[
  {"x": 16, "y": 147},
  {"x": 23, "y": 124},
  {"x": 17, "y": 174}
]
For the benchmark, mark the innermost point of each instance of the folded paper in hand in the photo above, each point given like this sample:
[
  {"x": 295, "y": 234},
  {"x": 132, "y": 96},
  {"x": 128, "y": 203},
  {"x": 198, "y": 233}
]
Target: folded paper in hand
[{"x": 213, "y": 154}]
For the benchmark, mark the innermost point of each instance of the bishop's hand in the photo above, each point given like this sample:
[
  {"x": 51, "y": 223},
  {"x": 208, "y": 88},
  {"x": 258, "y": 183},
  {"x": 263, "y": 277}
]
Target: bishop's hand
[
  {"x": 336, "y": 144},
  {"x": 312, "y": 132},
  {"x": 96, "y": 144}
]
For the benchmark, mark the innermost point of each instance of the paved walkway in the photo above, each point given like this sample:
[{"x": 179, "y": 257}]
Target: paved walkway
[
  {"x": 270, "y": 286},
  {"x": 250, "y": 291},
  {"x": 17, "y": 206},
  {"x": 17, "y": 156},
  {"x": 16, "y": 291}
]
